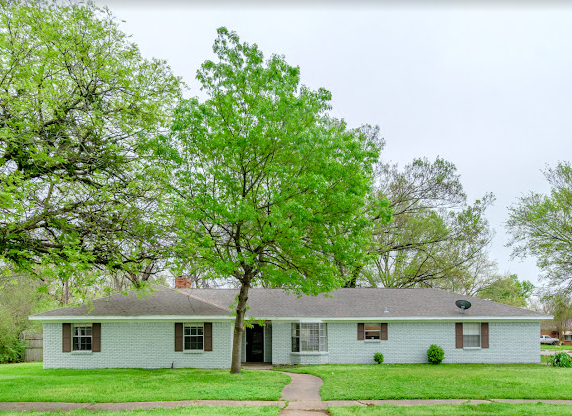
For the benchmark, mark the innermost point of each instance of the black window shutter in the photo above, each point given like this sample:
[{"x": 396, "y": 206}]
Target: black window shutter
[
  {"x": 96, "y": 337},
  {"x": 459, "y": 335},
  {"x": 383, "y": 334},
  {"x": 484, "y": 335},
  {"x": 208, "y": 336},
  {"x": 66, "y": 337},
  {"x": 178, "y": 336}
]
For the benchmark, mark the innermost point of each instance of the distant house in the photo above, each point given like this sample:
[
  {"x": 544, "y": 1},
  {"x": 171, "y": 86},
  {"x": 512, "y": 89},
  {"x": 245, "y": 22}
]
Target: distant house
[
  {"x": 193, "y": 328},
  {"x": 549, "y": 328}
]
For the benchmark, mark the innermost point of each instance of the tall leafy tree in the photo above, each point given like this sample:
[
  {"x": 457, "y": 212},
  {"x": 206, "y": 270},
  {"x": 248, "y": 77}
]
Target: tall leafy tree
[
  {"x": 508, "y": 290},
  {"x": 267, "y": 187},
  {"x": 540, "y": 226},
  {"x": 77, "y": 100},
  {"x": 435, "y": 238}
]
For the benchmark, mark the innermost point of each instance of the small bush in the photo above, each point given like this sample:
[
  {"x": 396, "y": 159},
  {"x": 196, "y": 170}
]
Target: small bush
[
  {"x": 561, "y": 359},
  {"x": 435, "y": 354},
  {"x": 12, "y": 352},
  {"x": 378, "y": 357}
]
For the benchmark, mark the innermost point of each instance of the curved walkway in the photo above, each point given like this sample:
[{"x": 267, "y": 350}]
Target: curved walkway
[{"x": 303, "y": 395}]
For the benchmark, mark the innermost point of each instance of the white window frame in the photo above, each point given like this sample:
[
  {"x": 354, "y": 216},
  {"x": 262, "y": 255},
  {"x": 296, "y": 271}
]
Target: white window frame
[
  {"x": 190, "y": 336},
  {"x": 567, "y": 337},
  {"x": 471, "y": 329},
  {"x": 81, "y": 336},
  {"x": 305, "y": 338}
]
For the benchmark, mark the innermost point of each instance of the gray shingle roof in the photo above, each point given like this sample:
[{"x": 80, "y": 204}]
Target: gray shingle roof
[{"x": 275, "y": 303}]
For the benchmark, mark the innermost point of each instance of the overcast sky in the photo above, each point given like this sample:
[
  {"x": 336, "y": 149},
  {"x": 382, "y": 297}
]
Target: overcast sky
[{"x": 485, "y": 87}]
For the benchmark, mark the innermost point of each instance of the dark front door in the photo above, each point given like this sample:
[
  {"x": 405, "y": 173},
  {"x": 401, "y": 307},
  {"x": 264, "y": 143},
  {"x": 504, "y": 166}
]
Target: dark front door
[{"x": 255, "y": 344}]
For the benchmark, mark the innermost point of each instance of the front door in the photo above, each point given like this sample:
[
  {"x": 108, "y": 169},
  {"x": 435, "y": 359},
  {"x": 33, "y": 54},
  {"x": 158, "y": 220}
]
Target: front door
[{"x": 255, "y": 344}]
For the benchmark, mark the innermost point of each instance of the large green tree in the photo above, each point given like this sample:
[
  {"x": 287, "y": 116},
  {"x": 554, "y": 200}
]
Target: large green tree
[
  {"x": 77, "y": 100},
  {"x": 435, "y": 239},
  {"x": 540, "y": 226},
  {"x": 508, "y": 290},
  {"x": 267, "y": 187}
]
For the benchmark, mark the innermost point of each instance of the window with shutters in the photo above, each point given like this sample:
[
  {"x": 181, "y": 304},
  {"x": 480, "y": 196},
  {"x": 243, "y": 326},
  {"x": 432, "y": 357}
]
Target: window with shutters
[
  {"x": 193, "y": 337},
  {"x": 81, "y": 337},
  {"x": 471, "y": 335},
  {"x": 372, "y": 331},
  {"x": 309, "y": 337}
]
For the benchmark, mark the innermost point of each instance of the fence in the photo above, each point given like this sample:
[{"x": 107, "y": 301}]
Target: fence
[{"x": 34, "y": 347}]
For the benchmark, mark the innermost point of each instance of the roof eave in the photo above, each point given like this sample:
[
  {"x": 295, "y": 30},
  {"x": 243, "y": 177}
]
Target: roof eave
[{"x": 286, "y": 318}]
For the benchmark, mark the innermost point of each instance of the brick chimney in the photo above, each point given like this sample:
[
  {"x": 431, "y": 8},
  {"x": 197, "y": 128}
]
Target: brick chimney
[{"x": 183, "y": 283}]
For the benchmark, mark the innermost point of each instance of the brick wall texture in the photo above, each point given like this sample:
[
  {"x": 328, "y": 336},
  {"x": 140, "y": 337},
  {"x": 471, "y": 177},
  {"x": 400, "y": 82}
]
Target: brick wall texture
[
  {"x": 151, "y": 345},
  {"x": 138, "y": 345}
]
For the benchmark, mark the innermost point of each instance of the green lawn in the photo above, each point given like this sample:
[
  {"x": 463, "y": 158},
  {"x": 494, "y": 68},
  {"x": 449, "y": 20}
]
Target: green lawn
[
  {"x": 180, "y": 411},
  {"x": 555, "y": 347},
  {"x": 498, "y": 409},
  {"x": 445, "y": 381},
  {"x": 30, "y": 383}
]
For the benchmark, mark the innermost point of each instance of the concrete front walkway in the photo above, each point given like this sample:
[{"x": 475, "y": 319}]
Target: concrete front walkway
[
  {"x": 53, "y": 406},
  {"x": 303, "y": 395},
  {"x": 308, "y": 407}
]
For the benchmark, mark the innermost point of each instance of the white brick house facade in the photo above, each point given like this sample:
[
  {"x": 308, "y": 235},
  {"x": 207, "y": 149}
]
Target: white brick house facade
[
  {"x": 137, "y": 345},
  {"x": 150, "y": 341}
]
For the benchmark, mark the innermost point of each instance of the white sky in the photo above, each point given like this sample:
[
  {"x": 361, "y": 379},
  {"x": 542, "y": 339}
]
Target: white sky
[{"x": 487, "y": 87}]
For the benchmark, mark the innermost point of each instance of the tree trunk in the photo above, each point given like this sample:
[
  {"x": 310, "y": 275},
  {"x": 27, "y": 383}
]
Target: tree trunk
[{"x": 238, "y": 327}]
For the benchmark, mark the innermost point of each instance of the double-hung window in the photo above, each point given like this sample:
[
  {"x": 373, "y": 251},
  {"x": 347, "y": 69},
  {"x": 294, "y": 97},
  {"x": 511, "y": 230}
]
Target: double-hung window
[
  {"x": 309, "y": 337},
  {"x": 471, "y": 335},
  {"x": 193, "y": 336},
  {"x": 81, "y": 337}
]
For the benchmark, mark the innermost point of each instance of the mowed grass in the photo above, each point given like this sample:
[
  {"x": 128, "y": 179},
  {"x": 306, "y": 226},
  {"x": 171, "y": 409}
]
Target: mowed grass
[
  {"x": 498, "y": 409},
  {"x": 555, "y": 347},
  {"x": 445, "y": 381},
  {"x": 179, "y": 411},
  {"x": 29, "y": 382}
]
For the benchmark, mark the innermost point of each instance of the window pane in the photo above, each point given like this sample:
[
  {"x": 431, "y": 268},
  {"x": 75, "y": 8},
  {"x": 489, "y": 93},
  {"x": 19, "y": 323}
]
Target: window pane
[
  {"x": 187, "y": 330},
  {"x": 200, "y": 330},
  {"x": 81, "y": 339},
  {"x": 471, "y": 329},
  {"x": 295, "y": 344},
  {"x": 372, "y": 335},
  {"x": 309, "y": 337},
  {"x": 471, "y": 341},
  {"x": 372, "y": 327},
  {"x": 187, "y": 343}
]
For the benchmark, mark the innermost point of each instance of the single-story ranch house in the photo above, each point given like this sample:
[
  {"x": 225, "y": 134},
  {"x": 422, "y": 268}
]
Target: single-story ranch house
[{"x": 194, "y": 327}]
